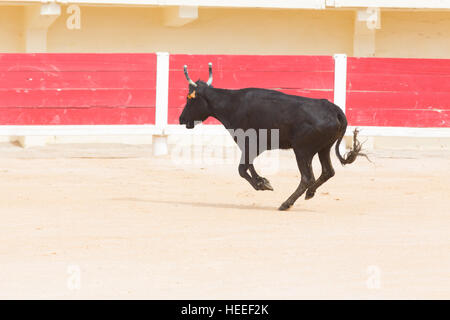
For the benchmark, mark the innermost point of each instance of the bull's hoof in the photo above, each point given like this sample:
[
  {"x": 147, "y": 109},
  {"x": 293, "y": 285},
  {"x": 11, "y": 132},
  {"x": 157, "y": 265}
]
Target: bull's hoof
[
  {"x": 284, "y": 206},
  {"x": 264, "y": 184},
  {"x": 309, "y": 194}
]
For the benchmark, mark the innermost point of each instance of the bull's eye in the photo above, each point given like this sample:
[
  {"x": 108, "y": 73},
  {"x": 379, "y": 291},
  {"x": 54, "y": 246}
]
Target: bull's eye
[{"x": 191, "y": 95}]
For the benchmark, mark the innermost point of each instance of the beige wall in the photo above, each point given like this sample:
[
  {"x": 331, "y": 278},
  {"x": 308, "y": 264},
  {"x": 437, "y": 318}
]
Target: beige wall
[
  {"x": 246, "y": 31},
  {"x": 424, "y": 34},
  {"x": 11, "y": 29},
  {"x": 414, "y": 34}
]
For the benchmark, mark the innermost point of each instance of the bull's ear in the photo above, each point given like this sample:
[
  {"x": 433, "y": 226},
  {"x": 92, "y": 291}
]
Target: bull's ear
[{"x": 191, "y": 95}]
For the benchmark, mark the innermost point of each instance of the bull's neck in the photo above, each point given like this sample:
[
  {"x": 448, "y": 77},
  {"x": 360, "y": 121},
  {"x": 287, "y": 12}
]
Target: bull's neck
[{"x": 219, "y": 101}]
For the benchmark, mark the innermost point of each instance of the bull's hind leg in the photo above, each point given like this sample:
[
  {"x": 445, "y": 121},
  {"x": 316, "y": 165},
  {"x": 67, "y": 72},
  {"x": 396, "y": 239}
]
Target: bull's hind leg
[
  {"x": 327, "y": 172},
  {"x": 304, "y": 162}
]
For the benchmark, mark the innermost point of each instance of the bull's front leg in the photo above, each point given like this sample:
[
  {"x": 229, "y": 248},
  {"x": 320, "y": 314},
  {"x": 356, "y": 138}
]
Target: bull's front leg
[
  {"x": 257, "y": 182},
  {"x": 246, "y": 163},
  {"x": 262, "y": 182}
]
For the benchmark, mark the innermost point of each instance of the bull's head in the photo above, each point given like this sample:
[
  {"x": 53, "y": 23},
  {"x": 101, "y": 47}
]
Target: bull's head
[{"x": 196, "y": 109}]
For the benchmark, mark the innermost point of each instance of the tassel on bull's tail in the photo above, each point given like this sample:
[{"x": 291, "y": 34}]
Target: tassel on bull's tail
[{"x": 350, "y": 156}]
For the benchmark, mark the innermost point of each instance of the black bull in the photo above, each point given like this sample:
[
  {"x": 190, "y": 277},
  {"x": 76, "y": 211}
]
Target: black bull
[{"x": 306, "y": 125}]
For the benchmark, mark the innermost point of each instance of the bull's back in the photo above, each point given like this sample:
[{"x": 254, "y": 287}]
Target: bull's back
[
  {"x": 272, "y": 109},
  {"x": 294, "y": 116}
]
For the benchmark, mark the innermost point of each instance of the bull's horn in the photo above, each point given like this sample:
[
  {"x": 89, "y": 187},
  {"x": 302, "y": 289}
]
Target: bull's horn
[
  {"x": 187, "y": 76},
  {"x": 210, "y": 74}
]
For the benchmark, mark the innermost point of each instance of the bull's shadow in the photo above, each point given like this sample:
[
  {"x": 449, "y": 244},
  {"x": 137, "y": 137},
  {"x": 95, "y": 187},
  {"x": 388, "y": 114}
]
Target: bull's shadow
[{"x": 207, "y": 204}]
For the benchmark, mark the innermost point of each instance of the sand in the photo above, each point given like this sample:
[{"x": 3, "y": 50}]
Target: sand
[{"x": 111, "y": 221}]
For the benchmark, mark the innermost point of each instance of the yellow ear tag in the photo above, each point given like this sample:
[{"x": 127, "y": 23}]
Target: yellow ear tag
[{"x": 191, "y": 95}]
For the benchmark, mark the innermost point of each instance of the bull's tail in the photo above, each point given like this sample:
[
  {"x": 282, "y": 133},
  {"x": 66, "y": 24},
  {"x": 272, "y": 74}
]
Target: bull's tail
[{"x": 355, "y": 151}]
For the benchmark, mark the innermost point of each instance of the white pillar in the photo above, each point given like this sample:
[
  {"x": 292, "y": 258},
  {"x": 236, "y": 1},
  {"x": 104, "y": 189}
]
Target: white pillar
[
  {"x": 38, "y": 18},
  {"x": 162, "y": 89},
  {"x": 160, "y": 146},
  {"x": 179, "y": 16},
  {"x": 340, "y": 85},
  {"x": 37, "y": 21},
  {"x": 340, "y": 80},
  {"x": 367, "y": 21}
]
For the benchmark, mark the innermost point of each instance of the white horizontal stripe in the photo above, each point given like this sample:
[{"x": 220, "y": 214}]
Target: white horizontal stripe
[
  {"x": 78, "y": 130},
  {"x": 93, "y": 130},
  {"x": 401, "y": 132},
  {"x": 364, "y": 131}
]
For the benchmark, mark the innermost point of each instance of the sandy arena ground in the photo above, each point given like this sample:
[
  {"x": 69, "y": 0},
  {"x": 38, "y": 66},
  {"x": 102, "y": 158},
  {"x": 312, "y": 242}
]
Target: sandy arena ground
[{"x": 111, "y": 221}]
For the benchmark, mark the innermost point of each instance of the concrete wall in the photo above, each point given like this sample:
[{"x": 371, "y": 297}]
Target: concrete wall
[
  {"x": 414, "y": 34},
  {"x": 421, "y": 34},
  {"x": 244, "y": 31},
  {"x": 11, "y": 29}
]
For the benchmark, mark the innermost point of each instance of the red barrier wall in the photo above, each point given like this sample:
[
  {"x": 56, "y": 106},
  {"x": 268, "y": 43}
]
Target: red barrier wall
[
  {"x": 69, "y": 89},
  {"x": 398, "y": 92},
  {"x": 310, "y": 76},
  {"x": 64, "y": 89}
]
